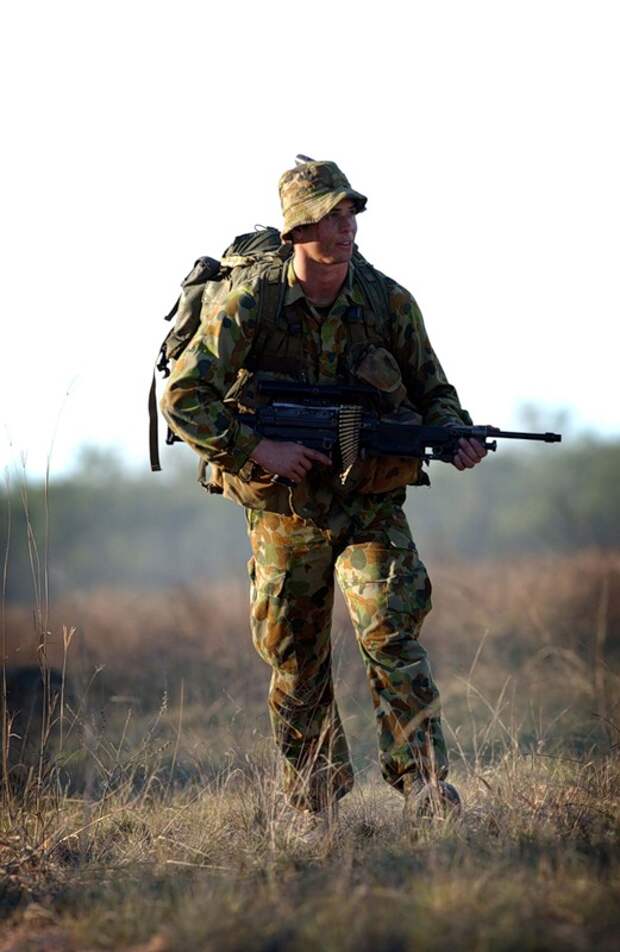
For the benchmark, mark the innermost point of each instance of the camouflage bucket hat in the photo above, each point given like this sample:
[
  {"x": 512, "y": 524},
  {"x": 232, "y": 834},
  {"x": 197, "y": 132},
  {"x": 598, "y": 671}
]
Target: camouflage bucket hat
[{"x": 311, "y": 190}]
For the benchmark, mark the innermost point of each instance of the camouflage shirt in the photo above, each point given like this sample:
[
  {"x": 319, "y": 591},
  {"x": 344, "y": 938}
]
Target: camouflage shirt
[{"x": 193, "y": 402}]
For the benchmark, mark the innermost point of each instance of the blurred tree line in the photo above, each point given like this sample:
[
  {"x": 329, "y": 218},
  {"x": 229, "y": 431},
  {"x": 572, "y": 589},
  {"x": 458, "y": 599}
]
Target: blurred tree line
[{"x": 104, "y": 525}]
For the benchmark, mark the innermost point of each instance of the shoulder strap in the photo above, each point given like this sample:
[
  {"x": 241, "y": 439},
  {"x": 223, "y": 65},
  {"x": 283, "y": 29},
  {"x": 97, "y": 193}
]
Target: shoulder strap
[
  {"x": 374, "y": 285},
  {"x": 271, "y": 291}
]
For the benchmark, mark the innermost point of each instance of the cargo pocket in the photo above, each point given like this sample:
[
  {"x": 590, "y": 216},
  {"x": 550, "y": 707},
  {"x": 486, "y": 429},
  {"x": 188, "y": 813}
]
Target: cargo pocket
[
  {"x": 261, "y": 583},
  {"x": 267, "y": 612},
  {"x": 378, "y": 368}
]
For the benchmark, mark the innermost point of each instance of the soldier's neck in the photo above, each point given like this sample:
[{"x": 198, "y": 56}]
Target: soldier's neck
[{"x": 320, "y": 282}]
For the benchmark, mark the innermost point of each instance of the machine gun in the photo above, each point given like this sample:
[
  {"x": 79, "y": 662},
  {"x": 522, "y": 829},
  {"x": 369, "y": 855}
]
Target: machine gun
[{"x": 344, "y": 422}]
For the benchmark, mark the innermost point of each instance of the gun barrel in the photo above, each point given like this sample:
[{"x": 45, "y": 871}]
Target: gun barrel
[{"x": 541, "y": 437}]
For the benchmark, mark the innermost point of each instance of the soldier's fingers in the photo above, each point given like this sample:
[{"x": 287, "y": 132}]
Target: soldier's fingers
[
  {"x": 468, "y": 452},
  {"x": 317, "y": 456},
  {"x": 456, "y": 462},
  {"x": 479, "y": 448},
  {"x": 467, "y": 462}
]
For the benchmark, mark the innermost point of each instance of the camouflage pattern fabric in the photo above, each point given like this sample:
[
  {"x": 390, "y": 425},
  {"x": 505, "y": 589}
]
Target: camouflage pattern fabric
[
  {"x": 301, "y": 536},
  {"x": 194, "y": 405},
  {"x": 312, "y": 190},
  {"x": 387, "y": 592}
]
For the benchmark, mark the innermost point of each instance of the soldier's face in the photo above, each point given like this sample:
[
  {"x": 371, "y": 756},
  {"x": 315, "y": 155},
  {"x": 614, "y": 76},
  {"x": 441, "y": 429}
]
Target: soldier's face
[{"x": 331, "y": 240}]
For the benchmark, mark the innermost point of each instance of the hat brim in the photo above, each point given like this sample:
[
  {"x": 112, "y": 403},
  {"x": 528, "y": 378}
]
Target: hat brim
[{"x": 312, "y": 210}]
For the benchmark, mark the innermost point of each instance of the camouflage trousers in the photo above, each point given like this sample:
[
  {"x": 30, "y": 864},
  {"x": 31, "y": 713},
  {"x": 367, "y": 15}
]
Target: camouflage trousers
[{"x": 387, "y": 592}]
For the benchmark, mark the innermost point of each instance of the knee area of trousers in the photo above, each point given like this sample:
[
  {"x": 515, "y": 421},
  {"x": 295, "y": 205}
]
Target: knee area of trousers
[
  {"x": 295, "y": 694},
  {"x": 389, "y": 643}
]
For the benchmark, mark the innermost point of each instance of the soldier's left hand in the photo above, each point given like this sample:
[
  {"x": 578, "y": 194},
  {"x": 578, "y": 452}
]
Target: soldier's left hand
[{"x": 469, "y": 454}]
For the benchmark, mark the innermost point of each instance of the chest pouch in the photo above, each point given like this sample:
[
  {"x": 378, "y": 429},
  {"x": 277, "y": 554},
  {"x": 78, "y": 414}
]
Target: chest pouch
[{"x": 376, "y": 366}]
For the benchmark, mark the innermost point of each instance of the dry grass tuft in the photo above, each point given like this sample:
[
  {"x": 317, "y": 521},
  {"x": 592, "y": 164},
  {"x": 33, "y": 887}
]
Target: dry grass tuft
[
  {"x": 142, "y": 806},
  {"x": 535, "y": 855}
]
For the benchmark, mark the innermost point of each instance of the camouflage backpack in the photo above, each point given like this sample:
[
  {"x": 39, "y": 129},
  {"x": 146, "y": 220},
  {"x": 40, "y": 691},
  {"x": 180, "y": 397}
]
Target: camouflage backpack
[{"x": 259, "y": 253}]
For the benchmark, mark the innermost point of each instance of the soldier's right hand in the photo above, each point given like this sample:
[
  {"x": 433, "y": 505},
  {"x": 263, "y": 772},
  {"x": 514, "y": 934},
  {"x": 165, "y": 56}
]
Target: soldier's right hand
[{"x": 291, "y": 460}]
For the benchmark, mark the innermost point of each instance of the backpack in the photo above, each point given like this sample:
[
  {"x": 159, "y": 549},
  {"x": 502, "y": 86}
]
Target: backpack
[{"x": 262, "y": 253}]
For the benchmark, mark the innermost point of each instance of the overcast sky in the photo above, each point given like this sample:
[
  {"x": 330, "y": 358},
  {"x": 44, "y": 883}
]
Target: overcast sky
[{"x": 138, "y": 136}]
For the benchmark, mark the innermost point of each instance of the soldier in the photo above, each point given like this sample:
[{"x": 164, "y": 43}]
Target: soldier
[{"x": 339, "y": 320}]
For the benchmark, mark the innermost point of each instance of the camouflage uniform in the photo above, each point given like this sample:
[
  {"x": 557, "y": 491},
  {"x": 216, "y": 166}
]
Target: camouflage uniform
[{"x": 300, "y": 536}]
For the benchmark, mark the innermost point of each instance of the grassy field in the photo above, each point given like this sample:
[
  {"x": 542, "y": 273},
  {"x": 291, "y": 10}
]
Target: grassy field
[{"x": 150, "y": 817}]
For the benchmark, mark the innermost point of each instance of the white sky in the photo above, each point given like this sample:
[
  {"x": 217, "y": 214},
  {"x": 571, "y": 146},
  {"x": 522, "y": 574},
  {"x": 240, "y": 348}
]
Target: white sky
[{"x": 138, "y": 136}]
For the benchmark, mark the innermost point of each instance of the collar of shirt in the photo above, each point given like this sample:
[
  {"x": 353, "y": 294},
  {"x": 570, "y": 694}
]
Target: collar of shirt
[{"x": 294, "y": 291}]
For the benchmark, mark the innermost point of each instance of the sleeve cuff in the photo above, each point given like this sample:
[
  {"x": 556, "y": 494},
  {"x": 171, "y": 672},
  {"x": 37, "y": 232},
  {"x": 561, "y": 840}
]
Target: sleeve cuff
[{"x": 246, "y": 442}]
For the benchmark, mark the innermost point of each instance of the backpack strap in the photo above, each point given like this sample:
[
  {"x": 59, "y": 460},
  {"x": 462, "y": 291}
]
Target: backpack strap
[
  {"x": 374, "y": 286},
  {"x": 153, "y": 428},
  {"x": 271, "y": 293}
]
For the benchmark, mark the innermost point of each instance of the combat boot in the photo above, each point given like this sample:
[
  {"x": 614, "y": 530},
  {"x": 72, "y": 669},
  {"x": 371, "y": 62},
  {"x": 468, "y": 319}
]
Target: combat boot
[{"x": 425, "y": 799}]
